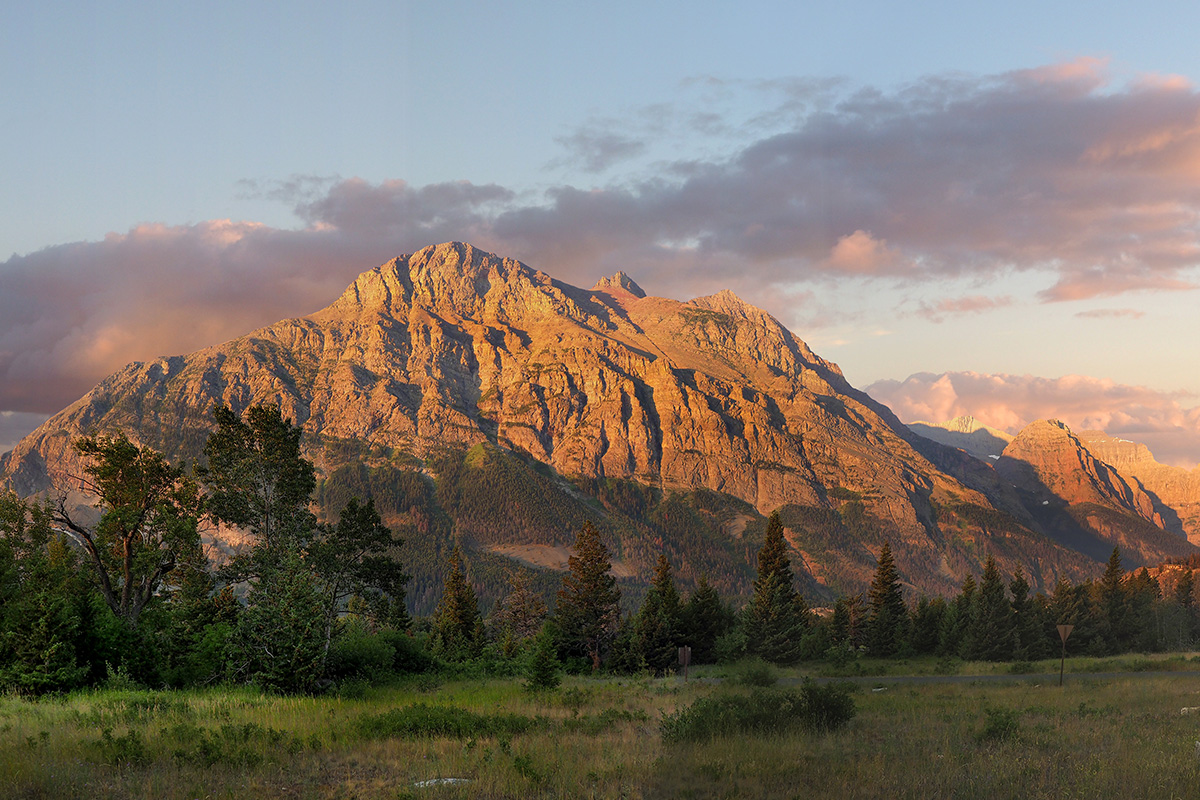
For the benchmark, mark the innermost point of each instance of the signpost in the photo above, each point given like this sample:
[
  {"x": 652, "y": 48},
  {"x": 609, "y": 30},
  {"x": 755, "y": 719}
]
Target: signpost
[
  {"x": 685, "y": 658},
  {"x": 1063, "y": 632}
]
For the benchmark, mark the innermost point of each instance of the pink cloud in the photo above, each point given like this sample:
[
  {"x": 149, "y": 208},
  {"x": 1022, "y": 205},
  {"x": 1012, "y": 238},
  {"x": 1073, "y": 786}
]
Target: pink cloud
[
  {"x": 971, "y": 304},
  {"x": 1010, "y": 402}
]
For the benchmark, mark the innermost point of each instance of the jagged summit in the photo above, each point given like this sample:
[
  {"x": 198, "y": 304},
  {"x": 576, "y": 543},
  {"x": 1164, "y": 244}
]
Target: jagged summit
[
  {"x": 619, "y": 282},
  {"x": 452, "y": 346}
]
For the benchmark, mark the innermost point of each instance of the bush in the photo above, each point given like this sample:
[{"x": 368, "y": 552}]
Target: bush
[
  {"x": 542, "y": 672},
  {"x": 358, "y": 654},
  {"x": 1001, "y": 725},
  {"x": 762, "y": 712},
  {"x": 423, "y": 720},
  {"x": 409, "y": 654},
  {"x": 754, "y": 672}
]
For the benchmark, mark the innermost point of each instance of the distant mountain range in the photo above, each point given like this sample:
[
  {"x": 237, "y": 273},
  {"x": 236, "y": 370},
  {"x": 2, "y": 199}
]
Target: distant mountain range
[{"x": 479, "y": 400}]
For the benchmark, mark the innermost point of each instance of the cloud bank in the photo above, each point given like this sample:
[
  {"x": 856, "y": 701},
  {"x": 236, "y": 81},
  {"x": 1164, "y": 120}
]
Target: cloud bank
[
  {"x": 1050, "y": 169},
  {"x": 1010, "y": 402}
]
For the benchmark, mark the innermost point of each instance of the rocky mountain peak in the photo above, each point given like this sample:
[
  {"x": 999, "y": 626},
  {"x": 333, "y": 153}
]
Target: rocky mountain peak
[
  {"x": 1046, "y": 458},
  {"x": 619, "y": 282}
]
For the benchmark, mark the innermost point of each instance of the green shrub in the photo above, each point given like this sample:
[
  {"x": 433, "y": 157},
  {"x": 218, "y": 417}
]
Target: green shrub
[
  {"x": 754, "y": 672},
  {"x": 359, "y": 654},
  {"x": 409, "y": 655},
  {"x": 1001, "y": 725},
  {"x": 762, "y": 712},
  {"x": 423, "y": 720}
]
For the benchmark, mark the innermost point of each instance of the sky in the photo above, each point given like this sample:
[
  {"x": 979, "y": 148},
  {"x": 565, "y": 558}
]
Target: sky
[{"x": 985, "y": 210}]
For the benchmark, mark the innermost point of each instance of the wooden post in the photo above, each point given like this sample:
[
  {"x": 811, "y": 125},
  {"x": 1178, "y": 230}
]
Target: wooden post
[{"x": 685, "y": 658}]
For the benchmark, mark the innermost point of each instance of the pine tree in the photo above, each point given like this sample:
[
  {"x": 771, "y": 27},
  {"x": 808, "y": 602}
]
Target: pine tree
[
  {"x": 887, "y": 625},
  {"x": 1112, "y": 605},
  {"x": 279, "y": 642},
  {"x": 926, "y": 624},
  {"x": 703, "y": 620},
  {"x": 957, "y": 621},
  {"x": 456, "y": 622},
  {"x": 542, "y": 671},
  {"x": 991, "y": 631},
  {"x": 657, "y": 624},
  {"x": 777, "y": 617},
  {"x": 1029, "y": 636},
  {"x": 588, "y": 601},
  {"x": 520, "y": 614}
]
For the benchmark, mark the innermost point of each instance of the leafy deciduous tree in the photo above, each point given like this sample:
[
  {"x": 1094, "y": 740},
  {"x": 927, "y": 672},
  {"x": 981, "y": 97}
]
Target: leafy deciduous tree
[{"x": 148, "y": 516}]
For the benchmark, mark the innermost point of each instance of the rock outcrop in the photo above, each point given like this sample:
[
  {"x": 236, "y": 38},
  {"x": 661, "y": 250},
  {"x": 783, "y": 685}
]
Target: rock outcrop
[
  {"x": 1082, "y": 500},
  {"x": 452, "y": 345},
  {"x": 1174, "y": 490}
]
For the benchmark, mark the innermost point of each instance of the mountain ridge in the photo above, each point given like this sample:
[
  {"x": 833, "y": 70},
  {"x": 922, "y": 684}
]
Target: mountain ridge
[{"x": 453, "y": 346}]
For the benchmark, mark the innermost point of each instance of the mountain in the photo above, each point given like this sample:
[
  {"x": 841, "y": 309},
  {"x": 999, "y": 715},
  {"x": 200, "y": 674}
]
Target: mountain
[
  {"x": 965, "y": 433},
  {"x": 1174, "y": 490},
  {"x": 480, "y": 400}
]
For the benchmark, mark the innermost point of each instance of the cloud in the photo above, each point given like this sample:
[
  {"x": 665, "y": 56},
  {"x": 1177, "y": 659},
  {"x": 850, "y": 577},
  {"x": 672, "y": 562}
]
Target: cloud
[
  {"x": 598, "y": 150},
  {"x": 1111, "y": 313},
  {"x": 1010, "y": 402},
  {"x": 972, "y": 304},
  {"x": 1051, "y": 170}
]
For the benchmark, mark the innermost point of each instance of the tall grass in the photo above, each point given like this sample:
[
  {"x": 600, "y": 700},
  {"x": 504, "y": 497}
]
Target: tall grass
[{"x": 601, "y": 738}]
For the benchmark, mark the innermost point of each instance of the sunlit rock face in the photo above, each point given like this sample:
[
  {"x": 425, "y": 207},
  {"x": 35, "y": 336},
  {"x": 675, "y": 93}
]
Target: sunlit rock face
[
  {"x": 1175, "y": 488},
  {"x": 453, "y": 345}
]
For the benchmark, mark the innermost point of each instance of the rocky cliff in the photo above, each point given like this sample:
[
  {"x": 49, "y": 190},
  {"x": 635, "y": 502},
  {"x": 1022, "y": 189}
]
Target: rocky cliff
[
  {"x": 1174, "y": 490},
  {"x": 1082, "y": 500},
  {"x": 455, "y": 346}
]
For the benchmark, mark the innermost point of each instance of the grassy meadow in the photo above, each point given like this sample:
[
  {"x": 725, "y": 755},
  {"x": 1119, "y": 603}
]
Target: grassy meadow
[{"x": 1020, "y": 738}]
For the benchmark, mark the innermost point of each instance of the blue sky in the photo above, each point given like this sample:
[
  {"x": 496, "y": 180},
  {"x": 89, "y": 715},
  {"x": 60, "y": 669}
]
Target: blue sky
[{"x": 935, "y": 212}]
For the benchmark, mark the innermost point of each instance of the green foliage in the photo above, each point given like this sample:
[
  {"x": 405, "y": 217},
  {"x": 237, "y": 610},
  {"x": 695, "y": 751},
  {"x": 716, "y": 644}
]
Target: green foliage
[
  {"x": 703, "y": 619},
  {"x": 426, "y": 721},
  {"x": 457, "y": 626},
  {"x": 754, "y": 672},
  {"x": 257, "y": 479},
  {"x": 542, "y": 671},
  {"x": 777, "y": 617},
  {"x": 1000, "y": 725},
  {"x": 656, "y": 627},
  {"x": 148, "y": 520},
  {"x": 357, "y": 653},
  {"x": 43, "y": 603},
  {"x": 990, "y": 634},
  {"x": 887, "y": 623},
  {"x": 588, "y": 600},
  {"x": 762, "y": 712},
  {"x": 279, "y": 642}
]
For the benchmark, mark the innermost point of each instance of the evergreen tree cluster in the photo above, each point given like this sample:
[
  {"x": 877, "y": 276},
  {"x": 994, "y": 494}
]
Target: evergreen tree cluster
[{"x": 313, "y": 602}]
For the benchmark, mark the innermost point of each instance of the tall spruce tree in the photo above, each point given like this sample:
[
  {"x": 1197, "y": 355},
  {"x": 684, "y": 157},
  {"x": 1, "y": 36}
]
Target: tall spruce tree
[
  {"x": 703, "y": 620},
  {"x": 657, "y": 623},
  {"x": 1029, "y": 635},
  {"x": 957, "y": 621},
  {"x": 1112, "y": 605},
  {"x": 588, "y": 602},
  {"x": 457, "y": 626},
  {"x": 887, "y": 624},
  {"x": 777, "y": 617},
  {"x": 991, "y": 631}
]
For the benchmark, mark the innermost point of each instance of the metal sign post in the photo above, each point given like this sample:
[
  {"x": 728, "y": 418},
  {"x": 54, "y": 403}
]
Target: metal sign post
[{"x": 1063, "y": 632}]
